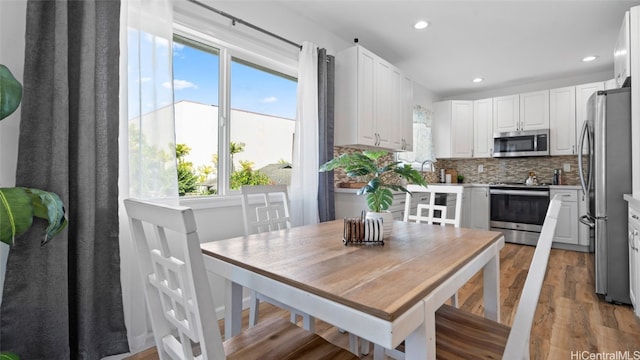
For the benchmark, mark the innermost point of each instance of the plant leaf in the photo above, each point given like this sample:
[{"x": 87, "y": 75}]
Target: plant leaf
[
  {"x": 10, "y": 92},
  {"x": 47, "y": 205},
  {"x": 16, "y": 213}
]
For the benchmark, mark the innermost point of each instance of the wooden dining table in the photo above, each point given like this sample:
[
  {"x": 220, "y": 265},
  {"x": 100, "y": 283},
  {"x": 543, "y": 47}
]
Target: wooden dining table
[{"x": 383, "y": 293}]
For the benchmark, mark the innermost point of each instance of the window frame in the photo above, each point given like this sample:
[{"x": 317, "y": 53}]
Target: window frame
[{"x": 249, "y": 52}]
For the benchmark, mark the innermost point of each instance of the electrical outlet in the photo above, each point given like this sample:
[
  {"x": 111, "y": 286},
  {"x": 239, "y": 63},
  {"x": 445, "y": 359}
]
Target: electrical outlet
[
  {"x": 480, "y": 168},
  {"x": 567, "y": 167}
]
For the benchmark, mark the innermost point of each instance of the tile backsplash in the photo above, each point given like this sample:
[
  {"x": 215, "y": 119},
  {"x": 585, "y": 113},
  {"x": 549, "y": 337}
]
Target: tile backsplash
[
  {"x": 514, "y": 169},
  {"x": 494, "y": 169}
]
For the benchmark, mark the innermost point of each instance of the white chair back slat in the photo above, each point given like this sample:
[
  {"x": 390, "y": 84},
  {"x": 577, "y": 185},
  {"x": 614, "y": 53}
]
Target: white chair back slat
[
  {"x": 179, "y": 301},
  {"x": 270, "y": 205},
  {"x": 518, "y": 342},
  {"x": 431, "y": 208}
]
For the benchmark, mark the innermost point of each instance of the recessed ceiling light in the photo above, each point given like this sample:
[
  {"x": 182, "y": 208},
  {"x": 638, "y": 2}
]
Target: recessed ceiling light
[
  {"x": 478, "y": 80},
  {"x": 421, "y": 25},
  {"x": 589, "y": 58}
]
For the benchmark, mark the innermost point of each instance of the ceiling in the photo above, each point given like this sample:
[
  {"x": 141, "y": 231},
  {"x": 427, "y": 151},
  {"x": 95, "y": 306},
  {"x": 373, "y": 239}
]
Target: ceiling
[{"x": 507, "y": 43}]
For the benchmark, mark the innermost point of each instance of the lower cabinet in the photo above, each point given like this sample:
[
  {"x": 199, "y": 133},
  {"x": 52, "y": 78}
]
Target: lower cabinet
[
  {"x": 475, "y": 207},
  {"x": 634, "y": 258},
  {"x": 569, "y": 233}
]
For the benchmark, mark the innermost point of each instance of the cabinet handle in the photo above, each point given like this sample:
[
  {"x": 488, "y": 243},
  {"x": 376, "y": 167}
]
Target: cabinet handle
[{"x": 573, "y": 149}]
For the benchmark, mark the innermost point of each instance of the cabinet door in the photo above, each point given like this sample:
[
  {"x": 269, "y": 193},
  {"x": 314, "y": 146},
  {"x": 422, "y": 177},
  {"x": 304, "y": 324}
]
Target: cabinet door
[
  {"x": 461, "y": 129},
  {"x": 479, "y": 208},
  {"x": 366, "y": 92},
  {"x": 534, "y": 110},
  {"x": 506, "y": 113},
  {"x": 383, "y": 123},
  {"x": 441, "y": 129},
  {"x": 562, "y": 120},
  {"x": 583, "y": 92},
  {"x": 567, "y": 226},
  {"x": 407, "y": 113},
  {"x": 482, "y": 128},
  {"x": 395, "y": 120}
]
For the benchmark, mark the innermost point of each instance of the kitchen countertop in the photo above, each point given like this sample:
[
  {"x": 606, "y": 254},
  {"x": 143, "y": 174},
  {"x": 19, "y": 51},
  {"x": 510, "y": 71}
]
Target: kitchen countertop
[
  {"x": 552, "y": 187},
  {"x": 634, "y": 200}
]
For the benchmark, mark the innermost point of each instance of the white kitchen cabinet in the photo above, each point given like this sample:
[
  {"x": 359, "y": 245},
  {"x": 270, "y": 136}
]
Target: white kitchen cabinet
[
  {"x": 369, "y": 101},
  {"x": 506, "y": 113},
  {"x": 534, "y": 110},
  {"x": 570, "y": 234},
  {"x": 634, "y": 258},
  {"x": 583, "y": 92},
  {"x": 476, "y": 207},
  {"x": 453, "y": 129},
  {"x": 622, "y": 53},
  {"x": 483, "y": 128},
  {"x": 562, "y": 120},
  {"x": 406, "y": 122},
  {"x": 567, "y": 227}
]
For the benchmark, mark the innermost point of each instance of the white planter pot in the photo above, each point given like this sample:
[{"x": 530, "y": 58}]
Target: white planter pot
[{"x": 387, "y": 221}]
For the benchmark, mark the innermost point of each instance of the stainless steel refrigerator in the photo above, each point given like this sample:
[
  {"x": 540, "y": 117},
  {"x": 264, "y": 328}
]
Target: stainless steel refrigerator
[{"x": 606, "y": 176}]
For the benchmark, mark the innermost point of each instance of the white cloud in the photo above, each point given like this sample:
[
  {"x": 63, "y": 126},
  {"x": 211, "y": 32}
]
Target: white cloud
[
  {"x": 180, "y": 84},
  {"x": 269, "y": 99},
  {"x": 145, "y": 79}
]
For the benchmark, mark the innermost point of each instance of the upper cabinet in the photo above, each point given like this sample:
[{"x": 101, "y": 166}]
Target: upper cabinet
[
  {"x": 622, "y": 55},
  {"x": 371, "y": 108},
  {"x": 453, "y": 129},
  {"x": 562, "y": 114},
  {"x": 506, "y": 113},
  {"x": 534, "y": 110},
  {"x": 483, "y": 128}
]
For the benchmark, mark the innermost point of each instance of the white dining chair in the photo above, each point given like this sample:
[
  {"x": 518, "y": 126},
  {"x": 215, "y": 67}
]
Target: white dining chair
[
  {"x": 463, "y": 335},
  {"x": 460, "y": 334},
  {"x": 180, "y": 303},
  {"x": 266, "y": 208},
  {"x": 434, "y": 213}
]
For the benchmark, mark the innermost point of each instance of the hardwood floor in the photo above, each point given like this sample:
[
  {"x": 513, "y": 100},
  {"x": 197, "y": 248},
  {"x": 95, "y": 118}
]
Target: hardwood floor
[{"x": 570, "y": 317}]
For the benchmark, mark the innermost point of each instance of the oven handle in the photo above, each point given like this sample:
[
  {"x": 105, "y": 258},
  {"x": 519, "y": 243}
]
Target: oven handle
[{"x": 519, "y": 192}]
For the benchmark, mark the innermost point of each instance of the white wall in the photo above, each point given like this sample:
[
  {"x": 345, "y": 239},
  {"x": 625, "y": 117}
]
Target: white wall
[{"x": 12, "y": 28}]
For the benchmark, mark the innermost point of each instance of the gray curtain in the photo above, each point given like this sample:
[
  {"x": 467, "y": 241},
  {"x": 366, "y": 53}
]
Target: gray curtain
[
  {"x": 64, "y": 300},
  {"x": 326, "y": 80}
]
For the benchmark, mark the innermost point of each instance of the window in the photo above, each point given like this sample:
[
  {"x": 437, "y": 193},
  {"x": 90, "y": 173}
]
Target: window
[
  {"x": 235, "y": 119},
  {"x": 422, "y": 139}
]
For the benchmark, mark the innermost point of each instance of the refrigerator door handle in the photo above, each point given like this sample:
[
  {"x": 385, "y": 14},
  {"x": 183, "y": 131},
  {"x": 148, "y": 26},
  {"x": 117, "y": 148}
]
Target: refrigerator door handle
[
  {"x": 585, "y": 183},
  {"x": 588, "y": 220}
]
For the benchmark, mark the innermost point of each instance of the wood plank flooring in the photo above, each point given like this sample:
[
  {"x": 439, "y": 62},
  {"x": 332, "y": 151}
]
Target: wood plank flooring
[{"x": 570, "y": 317}]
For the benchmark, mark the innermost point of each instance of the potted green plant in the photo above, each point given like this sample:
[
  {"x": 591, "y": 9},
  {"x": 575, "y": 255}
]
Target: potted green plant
[
  {"x": 18, "y": 205},
  {"x": 383, "y": 176}
]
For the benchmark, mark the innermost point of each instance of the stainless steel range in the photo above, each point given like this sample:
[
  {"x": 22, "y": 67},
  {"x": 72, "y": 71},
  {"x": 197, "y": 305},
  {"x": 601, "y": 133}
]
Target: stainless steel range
[{"x": 518, "y": 211}]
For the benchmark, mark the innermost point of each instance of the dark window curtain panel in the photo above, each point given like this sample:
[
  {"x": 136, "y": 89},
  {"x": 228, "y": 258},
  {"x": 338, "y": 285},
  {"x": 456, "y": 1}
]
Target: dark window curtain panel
[
  {"x": 326, "y": 81},
  {"x": 64, "y": 300}
]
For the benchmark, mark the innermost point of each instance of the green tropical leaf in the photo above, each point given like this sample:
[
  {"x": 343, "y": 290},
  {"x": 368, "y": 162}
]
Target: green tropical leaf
[
  {"x": 380, "y": 200},
  {"x": 16, "y": 213},
  {"x": 48, "y": 206},
  {"x": 10, "y": 92}
]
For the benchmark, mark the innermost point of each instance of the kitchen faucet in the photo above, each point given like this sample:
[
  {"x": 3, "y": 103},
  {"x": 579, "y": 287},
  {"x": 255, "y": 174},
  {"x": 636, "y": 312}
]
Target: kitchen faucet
[{"x": 430, "y": 168}]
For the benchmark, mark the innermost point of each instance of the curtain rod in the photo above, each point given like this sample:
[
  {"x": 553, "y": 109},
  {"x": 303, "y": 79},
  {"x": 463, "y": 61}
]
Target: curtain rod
[{"x": 254, "y": 27}]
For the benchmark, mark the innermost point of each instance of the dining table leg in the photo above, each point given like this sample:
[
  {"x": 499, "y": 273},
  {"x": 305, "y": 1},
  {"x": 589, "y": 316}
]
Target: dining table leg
[
  {"x": 491, "y": 288},
  {"x": 421, "y": 343},
  {"x": 233, "y": 309}
]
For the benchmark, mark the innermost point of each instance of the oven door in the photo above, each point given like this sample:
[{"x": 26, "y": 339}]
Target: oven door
[{"x": 519, "y": 209}]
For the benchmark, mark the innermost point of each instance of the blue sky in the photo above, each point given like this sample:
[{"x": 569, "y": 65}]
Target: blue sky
[{"x": 196, "y": 79}]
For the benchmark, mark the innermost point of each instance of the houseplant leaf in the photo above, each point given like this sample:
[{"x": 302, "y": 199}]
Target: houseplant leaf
[
  {"x": 16, "y": 213},
  {"x": 48, "y": 206},
  {"x": 10, "y": 92}
]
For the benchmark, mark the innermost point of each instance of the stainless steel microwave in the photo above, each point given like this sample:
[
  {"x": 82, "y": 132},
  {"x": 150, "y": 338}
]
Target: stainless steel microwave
[{"x": 521, "y": 143}]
